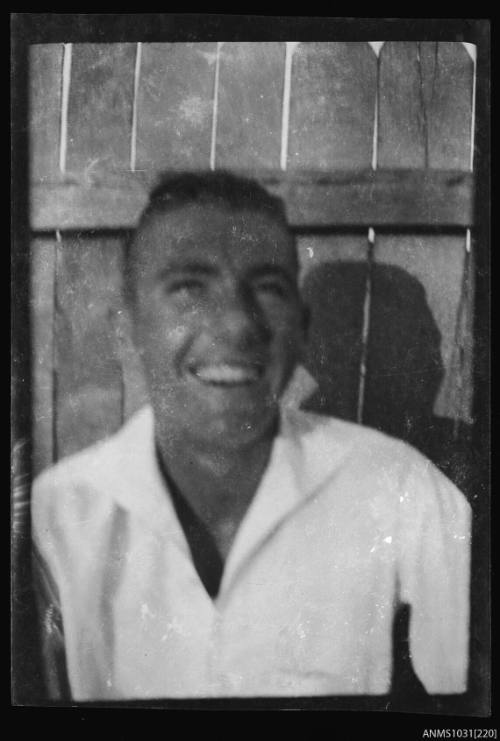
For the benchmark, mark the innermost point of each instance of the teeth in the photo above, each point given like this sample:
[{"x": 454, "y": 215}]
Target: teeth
[{"x": 227, "y": 374}]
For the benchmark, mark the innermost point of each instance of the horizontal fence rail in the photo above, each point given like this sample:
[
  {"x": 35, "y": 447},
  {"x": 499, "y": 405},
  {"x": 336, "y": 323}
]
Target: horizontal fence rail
[{"x": 381, "y": 198}]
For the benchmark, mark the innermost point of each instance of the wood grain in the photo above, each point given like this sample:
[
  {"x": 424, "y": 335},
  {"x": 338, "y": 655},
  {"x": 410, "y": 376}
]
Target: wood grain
[
  {"x": 332, "y": 105},
  {"x": 175, "y": 105},
  {"x": 451, "y": 105},
  {"x": 42, "y": 305},
  {"x": 134, "y": 384},
  {"x": 425, "y": 105},
  {"x": 100, "y": 108},
  {"x": 456, "y": 396},
  {"x": 45, "y": 71},
  {"x": 88, "y": 372},
  {"x": 135, "y": 392},
  {"x": 250, "y": 97},
  {"x": 401, "y": 125}
]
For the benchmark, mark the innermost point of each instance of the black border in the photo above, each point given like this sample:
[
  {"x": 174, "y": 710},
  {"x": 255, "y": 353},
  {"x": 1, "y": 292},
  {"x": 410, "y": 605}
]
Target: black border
[
  {"x": 150, "y": 27},
  {"x": 29, "y": 28}
]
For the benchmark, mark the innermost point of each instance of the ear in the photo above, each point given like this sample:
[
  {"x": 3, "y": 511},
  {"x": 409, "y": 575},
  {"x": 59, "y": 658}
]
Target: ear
[
  {"x": 122, "y": 321},
  {"x": 135, "y": 386}
]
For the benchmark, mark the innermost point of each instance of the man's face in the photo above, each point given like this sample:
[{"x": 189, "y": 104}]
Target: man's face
[{"x": 218, "y": 320}]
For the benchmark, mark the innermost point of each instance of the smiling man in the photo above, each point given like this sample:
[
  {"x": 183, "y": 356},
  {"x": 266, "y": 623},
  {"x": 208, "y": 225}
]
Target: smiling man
[
  {"x": 220, "y": 545},
  {"x": 219, "y": 324}
]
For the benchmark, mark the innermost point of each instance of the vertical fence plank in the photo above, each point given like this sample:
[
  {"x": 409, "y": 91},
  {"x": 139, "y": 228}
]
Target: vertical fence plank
[
  {"x": 250, "y": 100},
  {"x": 135, "y": 392},
  {"x": 333, "y": 278},
  {"x": 401, "y": 115},
  {"x": 332, "y": 106},
  {"x": 89, "y": 379},
  {"x": 418, "y": 128},
  {"x": 42, "y": 344},
  {"x": 456, "y": 393},
  {"x": 425, "y": 105},
  {"x": 465, "y": 341},
  {"x": 175, "y": 106},
  {"x": 436, "y": 262},
  {"x": 134, "y": 384},
  {"x": 448, "y": 76},
  {"x": 45, "y": 70},
  {"x": 332, "y": 112},
  {"x": 100, "y": 108}
]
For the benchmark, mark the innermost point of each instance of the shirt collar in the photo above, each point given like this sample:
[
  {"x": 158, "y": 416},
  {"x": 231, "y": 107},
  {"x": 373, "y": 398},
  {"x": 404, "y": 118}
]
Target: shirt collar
[
  {"x": 286, "y": 484},
  {"x": 140, "y": 487}
]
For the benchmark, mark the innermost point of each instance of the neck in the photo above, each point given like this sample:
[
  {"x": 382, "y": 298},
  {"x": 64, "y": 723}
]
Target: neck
[{"x": 218, "y": 481}]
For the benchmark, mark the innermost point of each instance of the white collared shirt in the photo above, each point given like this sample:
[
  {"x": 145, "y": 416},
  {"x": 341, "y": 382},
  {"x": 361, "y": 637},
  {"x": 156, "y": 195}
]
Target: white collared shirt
[{"x": 345, "y": 524}]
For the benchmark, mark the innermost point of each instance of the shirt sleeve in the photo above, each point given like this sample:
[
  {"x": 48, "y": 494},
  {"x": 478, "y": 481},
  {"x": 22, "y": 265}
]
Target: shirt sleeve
[
  {"x": 51, "y": 630},
  {"x": 434, "y": 577}
]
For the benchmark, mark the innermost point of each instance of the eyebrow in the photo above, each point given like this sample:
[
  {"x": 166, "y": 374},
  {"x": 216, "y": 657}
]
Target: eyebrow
[
  {"x": 268, "y": 269},
  {"x": 205, "y": 269},
  {"x": 194, "y": 268}
]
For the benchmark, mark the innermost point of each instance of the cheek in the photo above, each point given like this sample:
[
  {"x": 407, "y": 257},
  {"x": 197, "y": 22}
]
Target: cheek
[
  {"x": 160, "y": 336},
  {"x": 287, "y": 326},
  {"x": 288, "y": 344}
]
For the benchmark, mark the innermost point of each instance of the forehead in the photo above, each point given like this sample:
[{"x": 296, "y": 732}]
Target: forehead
[{"x": 214, "y": 234}]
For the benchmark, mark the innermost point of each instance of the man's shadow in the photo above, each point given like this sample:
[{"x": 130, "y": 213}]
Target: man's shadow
[
  {"x": 404, "y": 367},
  {"x": 404, "y": 372}
]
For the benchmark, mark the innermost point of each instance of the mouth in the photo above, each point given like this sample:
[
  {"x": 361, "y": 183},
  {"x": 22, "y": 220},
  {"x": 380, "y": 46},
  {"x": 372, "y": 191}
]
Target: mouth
[{"x": 228, "y": 375}]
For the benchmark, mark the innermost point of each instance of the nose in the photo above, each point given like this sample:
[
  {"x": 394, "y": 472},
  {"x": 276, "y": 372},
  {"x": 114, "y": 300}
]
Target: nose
[{"x": 240, "y": 319}]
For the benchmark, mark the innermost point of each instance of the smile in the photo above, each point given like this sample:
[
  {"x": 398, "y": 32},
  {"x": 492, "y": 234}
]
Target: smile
[{"x": 228, "y": 374}]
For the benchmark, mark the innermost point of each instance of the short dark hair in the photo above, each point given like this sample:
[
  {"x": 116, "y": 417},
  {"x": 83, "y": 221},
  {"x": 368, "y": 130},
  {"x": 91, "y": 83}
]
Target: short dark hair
[{"x": 219, "y": 188}]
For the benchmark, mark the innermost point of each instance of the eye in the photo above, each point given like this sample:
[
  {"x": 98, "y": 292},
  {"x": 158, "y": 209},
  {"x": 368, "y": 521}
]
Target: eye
[
  {"x": 184, "y": 287},
  {"x": 272, "y": 287}
]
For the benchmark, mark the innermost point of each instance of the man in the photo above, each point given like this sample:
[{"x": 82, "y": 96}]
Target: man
[{"x": 220, "y": 544}]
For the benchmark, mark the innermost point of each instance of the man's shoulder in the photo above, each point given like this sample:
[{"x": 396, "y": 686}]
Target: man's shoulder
[
  {"x": 93, "y": 468},
  {"x": 328, "y": 433},
  {"x": 330, "y": 445},
  {"x": 374, "y": 462}
]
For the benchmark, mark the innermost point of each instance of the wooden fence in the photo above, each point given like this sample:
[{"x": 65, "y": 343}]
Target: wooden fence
[{"x": 372, "y": 153}]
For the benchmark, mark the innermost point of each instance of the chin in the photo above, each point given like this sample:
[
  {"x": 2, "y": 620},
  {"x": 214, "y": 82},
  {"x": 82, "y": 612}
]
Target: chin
[{"x": 237, "y": 433}]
